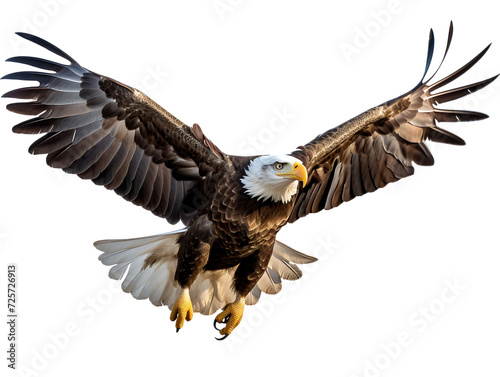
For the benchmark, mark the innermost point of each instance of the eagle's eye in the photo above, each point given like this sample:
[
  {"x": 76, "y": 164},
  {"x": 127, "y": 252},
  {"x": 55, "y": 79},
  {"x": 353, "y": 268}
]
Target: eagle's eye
[{"x": 278, "y": 166}]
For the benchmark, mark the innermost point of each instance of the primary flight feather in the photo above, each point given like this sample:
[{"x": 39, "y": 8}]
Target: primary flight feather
[{"x": 232, "y": 206}]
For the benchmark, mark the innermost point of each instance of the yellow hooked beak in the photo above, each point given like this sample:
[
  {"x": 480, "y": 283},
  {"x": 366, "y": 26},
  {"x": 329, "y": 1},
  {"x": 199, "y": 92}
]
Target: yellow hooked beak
[{"x": 298, "y": 172}]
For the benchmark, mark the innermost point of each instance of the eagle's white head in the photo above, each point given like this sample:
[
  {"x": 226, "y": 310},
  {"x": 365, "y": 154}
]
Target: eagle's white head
[{"x": 275, "y": 177}]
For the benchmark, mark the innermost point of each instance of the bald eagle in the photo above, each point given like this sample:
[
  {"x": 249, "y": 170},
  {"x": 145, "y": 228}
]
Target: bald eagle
[{"x": 232, "y": 206}]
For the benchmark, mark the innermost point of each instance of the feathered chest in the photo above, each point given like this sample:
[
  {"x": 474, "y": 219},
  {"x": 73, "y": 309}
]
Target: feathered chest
[{"x": 241, "y": 222}]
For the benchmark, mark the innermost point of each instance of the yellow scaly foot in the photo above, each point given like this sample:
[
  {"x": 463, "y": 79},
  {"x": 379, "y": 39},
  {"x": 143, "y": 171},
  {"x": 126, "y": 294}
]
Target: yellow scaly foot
[
  {"x": 182, "y": 309},
  {"x": 231, "y": 316}
]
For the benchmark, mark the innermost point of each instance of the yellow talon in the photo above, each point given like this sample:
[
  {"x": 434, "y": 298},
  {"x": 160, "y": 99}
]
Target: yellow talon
[
  {"x": 235, "y": 313},
  {"x": 182, "y": 309}
]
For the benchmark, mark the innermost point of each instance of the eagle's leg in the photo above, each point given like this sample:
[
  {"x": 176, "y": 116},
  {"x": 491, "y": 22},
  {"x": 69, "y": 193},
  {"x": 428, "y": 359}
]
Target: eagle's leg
[
  {"x": 191, "y": 258},
  {"x": 246, "y": 276},
  {"x": 231, "y": 316},
  {"x": 182, "y": 309}
]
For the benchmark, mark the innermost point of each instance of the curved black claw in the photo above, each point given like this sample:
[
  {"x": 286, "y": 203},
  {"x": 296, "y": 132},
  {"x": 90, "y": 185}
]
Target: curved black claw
[
  {"x": 177, "y": 329},
  {"x": 223, "y": 321},
  {"x": 223, "y": 337}
]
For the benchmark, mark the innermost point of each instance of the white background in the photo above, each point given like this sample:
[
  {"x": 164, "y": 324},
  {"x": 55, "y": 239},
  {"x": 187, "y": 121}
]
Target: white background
[{"x": 385, "y": 258}]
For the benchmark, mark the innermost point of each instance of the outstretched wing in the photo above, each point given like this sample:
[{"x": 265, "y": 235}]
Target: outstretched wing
[
  {"x": 113, "y": 134},
  {"x": 380, "y": 145}
]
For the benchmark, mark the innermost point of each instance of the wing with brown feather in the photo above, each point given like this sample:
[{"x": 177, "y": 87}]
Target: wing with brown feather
[
  {"x": 379, "y": 146},
  {"x": 115, "y": 135}
]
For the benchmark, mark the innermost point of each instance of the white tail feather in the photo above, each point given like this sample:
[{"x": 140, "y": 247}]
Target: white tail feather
[
  {"x": 270, "y": 283},
  {"x": 211, "y": 291}
]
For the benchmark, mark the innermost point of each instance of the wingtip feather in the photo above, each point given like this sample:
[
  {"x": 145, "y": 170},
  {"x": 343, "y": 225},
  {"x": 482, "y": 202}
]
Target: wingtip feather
[{"x": 47, "y": 45}]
